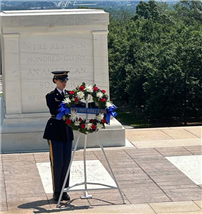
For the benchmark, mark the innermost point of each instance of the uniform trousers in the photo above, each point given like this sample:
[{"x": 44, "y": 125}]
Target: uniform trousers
[{"x": 60, "y": 157}]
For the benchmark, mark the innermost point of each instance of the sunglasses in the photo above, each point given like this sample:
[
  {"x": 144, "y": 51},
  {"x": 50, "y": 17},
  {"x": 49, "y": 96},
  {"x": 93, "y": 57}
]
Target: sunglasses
[{"x": 63, "y": 81}]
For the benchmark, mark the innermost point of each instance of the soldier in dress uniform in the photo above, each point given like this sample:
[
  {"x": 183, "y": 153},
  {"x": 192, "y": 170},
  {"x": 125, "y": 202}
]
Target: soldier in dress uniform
[{"x": 59, "y": 136}]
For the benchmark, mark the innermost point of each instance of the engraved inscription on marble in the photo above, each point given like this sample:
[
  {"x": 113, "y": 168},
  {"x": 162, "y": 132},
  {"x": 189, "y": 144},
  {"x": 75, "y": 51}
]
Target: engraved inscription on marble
[
  {"x": 54, "y": 46},
  {"x": 42, "y": 54},
  {"x": 47, "y": 71},
  {"x": 36, "y": 97},
  {"x": 55, "y": 58},
  {"x": 37, "y": 47},
  {"x": 51, "y": 85}
]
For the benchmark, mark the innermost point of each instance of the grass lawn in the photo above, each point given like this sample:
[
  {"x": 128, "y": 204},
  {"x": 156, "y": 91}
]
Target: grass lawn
[
  {"x": 130, "y": 119},
  {"x": 127, "y": 118}
]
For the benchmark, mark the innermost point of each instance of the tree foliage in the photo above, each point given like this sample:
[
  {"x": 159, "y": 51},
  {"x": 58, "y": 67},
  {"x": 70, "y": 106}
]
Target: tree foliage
[{"x": 155, "y": 60}]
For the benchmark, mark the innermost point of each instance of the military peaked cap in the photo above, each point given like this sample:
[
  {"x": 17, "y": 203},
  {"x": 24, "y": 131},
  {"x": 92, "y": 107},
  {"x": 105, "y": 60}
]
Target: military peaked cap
[{"x": 61, "y": 75}]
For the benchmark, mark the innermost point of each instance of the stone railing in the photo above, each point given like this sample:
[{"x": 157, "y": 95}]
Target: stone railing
[{"x": 2, "y": 110}]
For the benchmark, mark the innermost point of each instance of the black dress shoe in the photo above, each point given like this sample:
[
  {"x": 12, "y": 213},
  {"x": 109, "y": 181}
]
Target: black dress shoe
[{"x": 65, "y": 196}]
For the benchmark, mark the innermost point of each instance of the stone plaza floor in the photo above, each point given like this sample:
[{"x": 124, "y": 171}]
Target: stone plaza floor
[{"x": 159, "y": 171}]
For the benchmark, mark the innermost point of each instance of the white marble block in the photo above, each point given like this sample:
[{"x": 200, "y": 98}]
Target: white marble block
[{"x": 35, "y": 43}]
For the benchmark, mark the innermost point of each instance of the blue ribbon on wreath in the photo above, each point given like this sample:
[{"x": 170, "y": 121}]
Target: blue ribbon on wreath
[
  {"x": 63, "y": 111},
  {"x": 110, "y": 112}
]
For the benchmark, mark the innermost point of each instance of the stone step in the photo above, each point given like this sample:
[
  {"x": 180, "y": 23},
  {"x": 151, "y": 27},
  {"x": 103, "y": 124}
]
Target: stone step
[{"x": 130, "y": 208}]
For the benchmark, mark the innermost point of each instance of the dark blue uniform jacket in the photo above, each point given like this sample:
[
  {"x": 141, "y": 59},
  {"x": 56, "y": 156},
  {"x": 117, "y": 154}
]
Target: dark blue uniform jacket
[{"x": 56, "y": 130}]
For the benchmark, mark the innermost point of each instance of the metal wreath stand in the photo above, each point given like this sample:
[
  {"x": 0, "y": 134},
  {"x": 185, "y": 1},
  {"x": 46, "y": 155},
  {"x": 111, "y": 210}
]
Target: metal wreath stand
[{"x": 85, "y": 174}]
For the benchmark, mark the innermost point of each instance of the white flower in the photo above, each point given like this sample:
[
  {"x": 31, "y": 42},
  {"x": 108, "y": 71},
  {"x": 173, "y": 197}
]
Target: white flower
[
  {"x": 89, "y": 88},
  {"x": 99, "y": 94},
  {"x": 108, "y": 104},
  {"x": 80, "y": 94},
  {"x": 76, "y": 123},
  {"x": 88, "y": 126},
  {"x": 99, "y": 126},
  {"x": 100, "y": 116},
  {"x": 73, "y": 115},
  {"x": 67, "y": 100}
]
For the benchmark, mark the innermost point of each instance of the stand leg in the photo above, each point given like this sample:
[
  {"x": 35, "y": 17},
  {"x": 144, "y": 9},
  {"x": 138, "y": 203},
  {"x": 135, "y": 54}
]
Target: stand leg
[
  {"x": 85, "y": 174},
  {"x": 110, "y": 169},
  {"x": 68, "y": 171}
]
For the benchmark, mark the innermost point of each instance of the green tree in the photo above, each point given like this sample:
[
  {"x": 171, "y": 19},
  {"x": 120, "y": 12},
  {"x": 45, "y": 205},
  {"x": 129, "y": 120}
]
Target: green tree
[{"x": 155, "y": 61}]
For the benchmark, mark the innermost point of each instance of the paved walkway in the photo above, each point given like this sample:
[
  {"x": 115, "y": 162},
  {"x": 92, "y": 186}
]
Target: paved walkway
[{"x": 151, "y": 184}]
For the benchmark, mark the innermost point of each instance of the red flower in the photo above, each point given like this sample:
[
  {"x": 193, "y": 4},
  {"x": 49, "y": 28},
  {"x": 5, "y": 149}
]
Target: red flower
[
  {"x": 83, "y": 126},
  {"x": 76, "y": 99},
  {"x": 68, "y": 121},
  {"x": 104, "y": 120},
  {"x": 71, "y": 92},
  {"x": 81, "y": 88},
  {"x": 93, "y": 126},
  {"x": 95, "y": 88},
  {"x": 91, "y": 120},
  {"x": 102, "y": 100},
  {"x": 80, "y": 119},
  {"x": 104, "y": 91}
]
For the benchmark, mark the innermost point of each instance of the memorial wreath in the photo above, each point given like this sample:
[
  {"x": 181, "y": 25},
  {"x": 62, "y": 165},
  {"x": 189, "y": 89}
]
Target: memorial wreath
[{"x": 69, "y": 112}]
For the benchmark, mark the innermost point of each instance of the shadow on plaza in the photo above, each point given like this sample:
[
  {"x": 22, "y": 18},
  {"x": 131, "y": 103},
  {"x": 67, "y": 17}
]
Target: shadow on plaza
[
  {"x": 38, "y": 206},
  {"x": 68, "y": 206}
]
